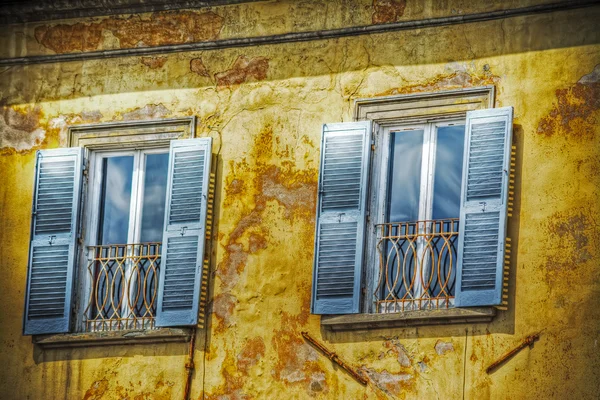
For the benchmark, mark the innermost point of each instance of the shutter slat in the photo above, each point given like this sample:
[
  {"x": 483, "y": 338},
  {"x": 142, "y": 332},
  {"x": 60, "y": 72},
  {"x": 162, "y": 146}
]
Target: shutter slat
[
  {"x": 53, "y": 241},
  {"x": 345, "y": 152},
  {"x": 183, "y": 237},
  {"x": 483, "y": 211}
]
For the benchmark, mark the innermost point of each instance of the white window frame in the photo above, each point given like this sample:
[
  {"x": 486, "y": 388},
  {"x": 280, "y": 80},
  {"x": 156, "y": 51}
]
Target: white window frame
[
  {"x": 379, "y": 187},
  {"x": 112, "y": 138},
  {"x": 392, "y": 112},
  {"x": 92, "y": 214}
]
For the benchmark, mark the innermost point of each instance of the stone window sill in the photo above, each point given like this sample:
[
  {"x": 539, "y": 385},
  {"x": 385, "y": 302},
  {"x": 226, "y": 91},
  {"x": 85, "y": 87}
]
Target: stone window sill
[
  {"x": 408, "y": 318},
  {"x": 125, "y": 337}
]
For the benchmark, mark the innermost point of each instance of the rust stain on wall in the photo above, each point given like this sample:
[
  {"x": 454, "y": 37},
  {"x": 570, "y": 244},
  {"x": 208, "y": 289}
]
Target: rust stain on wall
[
  {"x": 571, "y": 234},
  {"x": 243, "y": 70},
  {"x": 97, "y": 390},
  {"x": 297, "y": 362},
  {"x": 252, "y": 352},
  {"x": 575, "y": 114},
  {"x": 160, "y": 29},
  {"x": 231, "y": 389},
  {"x": 294, "y": 190},
  {"x": 154, "y": 62},
  {"x": 198, "y": 67},
  {"x": 387, "y": 10},
  {"x": 223, "y": 306}
]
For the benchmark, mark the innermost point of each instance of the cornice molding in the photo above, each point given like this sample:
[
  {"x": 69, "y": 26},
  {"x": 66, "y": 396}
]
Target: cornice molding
[
  {"x": 15, "y": 12},
  {"x": 299, "y": 36}
]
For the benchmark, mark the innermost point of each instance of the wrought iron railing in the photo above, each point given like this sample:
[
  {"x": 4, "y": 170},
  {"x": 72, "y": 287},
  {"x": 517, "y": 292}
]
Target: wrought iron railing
[
  {"x": 122, "y": 287},
  {"x": 417, "y": 265}
]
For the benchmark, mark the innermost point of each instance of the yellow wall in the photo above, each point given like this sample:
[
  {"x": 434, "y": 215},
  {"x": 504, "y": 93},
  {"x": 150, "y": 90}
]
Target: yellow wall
[{"x": 264, "y": 107}]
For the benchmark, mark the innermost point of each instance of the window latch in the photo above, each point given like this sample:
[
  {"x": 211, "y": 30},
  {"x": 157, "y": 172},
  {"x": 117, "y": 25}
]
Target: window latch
[
  {"x": 483, "y": 204},
  {"x": 340, "y": 217},
  {"x": 51, "y": 239},
  {"x": 182, "y": 230}
]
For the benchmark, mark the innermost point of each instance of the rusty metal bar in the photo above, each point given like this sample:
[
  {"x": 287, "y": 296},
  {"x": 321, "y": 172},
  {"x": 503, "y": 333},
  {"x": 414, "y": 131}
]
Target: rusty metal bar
[
  {"x": 417, "y": 265},
  {"x": 298, "y": 36},
  {"x": 189, "y": 366},
  {"x": 528, "y": 341},
  {"x": 335, "y": 358}
]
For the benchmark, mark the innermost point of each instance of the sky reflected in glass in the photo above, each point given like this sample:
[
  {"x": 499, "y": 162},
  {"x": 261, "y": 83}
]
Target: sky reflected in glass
[
  {"x": 117, "y": 175},
  {"x": 448, "y": 171},
  {"x": 404, "y": 176},
  {"x": 155, "y": 188}
]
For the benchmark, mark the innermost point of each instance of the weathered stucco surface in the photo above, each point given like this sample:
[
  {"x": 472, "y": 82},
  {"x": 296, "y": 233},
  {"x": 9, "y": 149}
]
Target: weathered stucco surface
[{"x": 264, "y": 107}]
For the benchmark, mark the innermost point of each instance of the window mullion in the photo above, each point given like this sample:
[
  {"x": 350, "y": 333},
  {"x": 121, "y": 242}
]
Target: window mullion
[{"x": 424, "y": 209}]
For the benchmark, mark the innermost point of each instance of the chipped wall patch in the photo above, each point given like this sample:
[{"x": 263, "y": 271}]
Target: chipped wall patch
[
  {"x": 154, "y": 62},
  {"x": 20, "y": 130},
  {"x": 198, "y": 67},
  {"x": 162, "y": 28},
  {"x": 243, "y": 70},
  {"x": 575, "y": 113},
  {"x": 443, "y": 347},
  {"x": 385, "y": 11},
  {"x": 149, "y": 111}
]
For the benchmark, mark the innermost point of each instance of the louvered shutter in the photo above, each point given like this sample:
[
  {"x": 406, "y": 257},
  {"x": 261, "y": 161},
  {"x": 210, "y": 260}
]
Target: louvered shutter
[
  {"x": 184, "y": 234},
  {"x": 483, "y": 212},
  {"x": 52, "y": 249},
  {"x": 341, "y": 212}
]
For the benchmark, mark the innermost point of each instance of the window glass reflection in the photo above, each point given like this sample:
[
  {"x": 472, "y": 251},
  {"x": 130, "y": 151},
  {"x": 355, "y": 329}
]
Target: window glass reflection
[
  {"x": 404, "y": 176},
  {"x": 117, "y": 175},
  {"x": 153, "y": 206},
  {"x": 448, "y": 171}
]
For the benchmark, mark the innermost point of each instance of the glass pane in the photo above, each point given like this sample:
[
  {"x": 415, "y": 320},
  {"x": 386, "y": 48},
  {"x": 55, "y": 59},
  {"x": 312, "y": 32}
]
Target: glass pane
[
  {"x": 405, "y": 176},
  {"x": 153, "y": 205},
  {"x": 117, "y": 174},
  {"x": 448, "y": 171}
]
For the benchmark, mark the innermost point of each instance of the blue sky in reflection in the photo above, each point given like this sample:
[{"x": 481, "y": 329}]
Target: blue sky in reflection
[
  {"x": 404, "y": 176},
  {"x": 117, "y": 179},
  {"x": 155, "y": 187},
  {"x": 448, "y": 172},
  {"x": 115, "y": 199}
]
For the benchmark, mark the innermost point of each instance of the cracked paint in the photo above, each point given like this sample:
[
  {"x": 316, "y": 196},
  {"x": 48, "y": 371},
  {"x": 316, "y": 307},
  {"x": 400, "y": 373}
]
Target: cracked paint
[
  {"x": 264, "y": 106},
  {"x": 157, "y": 30}
]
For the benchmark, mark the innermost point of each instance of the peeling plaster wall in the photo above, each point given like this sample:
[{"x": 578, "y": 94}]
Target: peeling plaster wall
[{"x": 264, "y": 107}]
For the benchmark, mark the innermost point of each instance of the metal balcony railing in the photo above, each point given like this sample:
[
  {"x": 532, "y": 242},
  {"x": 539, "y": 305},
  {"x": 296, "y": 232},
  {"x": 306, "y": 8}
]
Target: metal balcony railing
[
  {"x": 122, "y": 287},
  {"x": 417, "y": 265}
]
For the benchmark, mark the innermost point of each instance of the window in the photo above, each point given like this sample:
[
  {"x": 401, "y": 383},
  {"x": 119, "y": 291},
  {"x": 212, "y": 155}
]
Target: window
[
  {"x": 417, "y": 214},
  {"x": 413, "y": 216},
  {"x": 119, "y": 243},
  {"x": 126, "y": 219}
]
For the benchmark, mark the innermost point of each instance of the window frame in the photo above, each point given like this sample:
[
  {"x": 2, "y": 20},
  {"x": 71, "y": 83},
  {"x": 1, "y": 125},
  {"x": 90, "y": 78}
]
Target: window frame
[
  {"x": 406, "y": 110},
  {"x": 103, "y": 138},
  {"x": 381, "y": 161}
]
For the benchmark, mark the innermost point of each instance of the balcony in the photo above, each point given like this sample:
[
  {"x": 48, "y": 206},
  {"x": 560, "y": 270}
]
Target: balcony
[
  {"x": 122, "y": 287},
  {"x": 417, "y": 265}
]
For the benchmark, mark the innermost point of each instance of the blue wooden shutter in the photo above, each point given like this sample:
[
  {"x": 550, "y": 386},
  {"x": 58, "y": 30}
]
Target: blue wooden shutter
[
  {"x": 184, "y": 233},
  {"x": 341, "y": 212},
  {"x": 52, "y": 249},
  {"x": 483, "y": 212}
]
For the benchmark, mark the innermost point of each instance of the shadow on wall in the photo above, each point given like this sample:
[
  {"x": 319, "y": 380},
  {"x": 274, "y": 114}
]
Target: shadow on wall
[{"x": 233, "y": 66}]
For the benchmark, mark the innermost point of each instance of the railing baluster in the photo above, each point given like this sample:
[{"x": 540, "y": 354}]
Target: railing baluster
[
  {"x": 416, "y": 265},
  {"x": 123, "y": 287}
]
